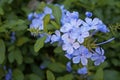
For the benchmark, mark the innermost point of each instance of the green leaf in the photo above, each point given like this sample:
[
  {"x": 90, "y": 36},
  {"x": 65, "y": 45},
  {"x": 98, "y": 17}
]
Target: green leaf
[
  {"x": 2, "y": 73},
  {"x": 22, "y": 40},
  {"x": 55, "y": 24},
  {"x": 1, "y": 11},
  {"x": 99, "y": 74},
  {"x": 28, "y": 60},
  {"x": 39, "y": 43},
  {"x": 36, "y": 69},
  {"x": 57, "y": 67},
  {"x": 3, "y": 29},
  {"x": 50, "y": 75},
  {"x": 57, "y": 14},
  {"x": 111, "y": 75},
  {"x": 18, "y": 56},
  {"x": 2, "y": 51},
  {"x": 66, "y": 77},
  {"x": 18, "y": 75},
  {"x": 11, "y": 57},
  {"x": 46, "y": 21},
  {"x": 34, "y": 77}
]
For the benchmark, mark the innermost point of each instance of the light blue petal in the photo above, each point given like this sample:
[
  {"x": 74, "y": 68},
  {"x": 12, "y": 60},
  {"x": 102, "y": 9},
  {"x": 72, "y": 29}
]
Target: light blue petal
[
  {"x": 68, "y": 67},
  {"x": 69, "y": 56},
  {"x": 80, "y": 39},
  {"x": 76, "y": 45},
  {"x": 47, "y": 10},
  {"x": 82, "y": 70},
  {"x": 97, "y": 62},
  {"x": 84, "y": 61},
  {"x": 76, "y": 59}
]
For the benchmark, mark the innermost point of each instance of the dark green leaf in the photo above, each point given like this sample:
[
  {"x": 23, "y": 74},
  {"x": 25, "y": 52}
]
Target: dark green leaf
[
  {"x": 11, "y": 57},
  {"x": 3, "y": 29},
  {"x": 39, "y": 43},
  {"x": 18, "y": 75},
  {"x": 22, "y": 40},
  {"x": 111, "y": 75},
  {"x": 2, "y": 51},
  {"x": 57, "y": 67},
  {"x": 18, "y": 56},
  {"x": 57, "y": 14},
  {"x": 99, "y": 74},
  {"x": 28, "y": 60},
  {"x": 50, "y": 75},
  {"x": 1, "y": 11},
  {"x": 66, "y": 77},
  {"x": 34, "y": 77}
]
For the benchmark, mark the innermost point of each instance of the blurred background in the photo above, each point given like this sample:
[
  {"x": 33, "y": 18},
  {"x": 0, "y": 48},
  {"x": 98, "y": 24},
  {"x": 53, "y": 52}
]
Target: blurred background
[{"x": 16, "y": 43}]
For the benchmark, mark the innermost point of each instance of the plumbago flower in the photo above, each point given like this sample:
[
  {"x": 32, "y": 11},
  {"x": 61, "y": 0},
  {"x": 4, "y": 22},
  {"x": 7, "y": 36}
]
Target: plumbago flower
[
  {"x": 98, "y": 56},
  {"x": 71, "y": 36}
]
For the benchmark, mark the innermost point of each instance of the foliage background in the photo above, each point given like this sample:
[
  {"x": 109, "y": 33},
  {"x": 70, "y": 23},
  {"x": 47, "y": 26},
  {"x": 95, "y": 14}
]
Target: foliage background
[{"x": 49, "y": 62}]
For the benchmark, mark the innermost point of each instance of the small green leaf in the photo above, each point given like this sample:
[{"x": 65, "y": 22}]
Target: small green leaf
[
  {"x": 34, "y": 77},
  {"x": 2, "y": 51},
  {"x": 11, "y": 57},
  {"x": 50, "y": 75},
  {"x": 39, "y": 43},
  {"x": 57, "y": 13},
  {"x": 66, "y": 77},
  {"x": 1, "y": 11},
  {"x": 22, "y": 40},
  {"x": 3, "y": 29},
  {"x": 111, "y": 75},
  {"x": 18, "y": 56},
  {"x": 46, "y": 21},
  {"x": 55, "y": 24},
  {"x": 28, "y": 60},
  {"x": 2, "y": 73},
  {"x": 36, "y": 69},
  {"x": 18, "y": 75},
  {"x": 99, "y": 74},
  {"x": 57, "y": 67}
]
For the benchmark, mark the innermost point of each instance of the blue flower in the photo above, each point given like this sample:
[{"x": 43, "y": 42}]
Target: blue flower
[
  {"x": 48, "y": 10},
  {"x": 95, "y": 24},
  {"x": 67, "y": 16},
  {"x": 82, "y": 34},
  {"x": 98, "y": 56},
  {"x": 81, "y": 54},
  {"x": 56, "y": 37},
  {"x": 8, "y": 76},
  {"x": 88, "y": 14},
  {"x": 48, "y": 37},
  {"x": 82, "y": 71},
  {"x": 69, "y": 44},
  {"x": 13, "y": 38},
  {"x": 30, "y": 16},
  {"x": 68, "y": 67},
  {"x": 37, "y": 24},
  {"x": 69, "y": 56},
  {"x": 72, "y": 28}
]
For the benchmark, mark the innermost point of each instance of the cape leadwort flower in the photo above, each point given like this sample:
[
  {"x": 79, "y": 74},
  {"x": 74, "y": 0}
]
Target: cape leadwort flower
[
  {"x": 83, "y": 70},
  {"x": 72, "y": 35},
  {"x": 12, "y": 37},
  {"x": 98, "y": 56},
  {"x": 8, "y": 76},
  {"x": 81, "y": 55}
]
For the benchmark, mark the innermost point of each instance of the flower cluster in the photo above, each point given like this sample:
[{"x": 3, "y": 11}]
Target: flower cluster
[{"x": 72, "y": 34}]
